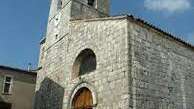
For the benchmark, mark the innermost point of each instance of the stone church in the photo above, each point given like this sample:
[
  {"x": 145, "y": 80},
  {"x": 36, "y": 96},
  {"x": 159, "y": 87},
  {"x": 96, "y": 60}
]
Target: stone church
[{"x": 90, "y": 60}]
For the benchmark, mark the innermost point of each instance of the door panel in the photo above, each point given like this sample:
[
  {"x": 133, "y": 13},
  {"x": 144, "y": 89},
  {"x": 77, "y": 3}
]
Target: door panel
[{"x": 83, "y": 99}]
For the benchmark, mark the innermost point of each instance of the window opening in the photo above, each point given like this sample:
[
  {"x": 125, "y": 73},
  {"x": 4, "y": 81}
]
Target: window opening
[
  {"x": 7, "y": 85},
  {"x": 84, "y": 63},
  {"x": 91, "y": 2},
  {"x": 59, "y": 4}
]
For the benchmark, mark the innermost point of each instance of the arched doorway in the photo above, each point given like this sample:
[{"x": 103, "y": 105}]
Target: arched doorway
[{"x": 82, "y": 99}]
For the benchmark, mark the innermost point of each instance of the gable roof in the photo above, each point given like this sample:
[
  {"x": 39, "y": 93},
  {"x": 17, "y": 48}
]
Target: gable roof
[
  {"x": 18, "y": 70},
  {"x": 141, "y": 21},
  {"x": 160, "y": 30}
]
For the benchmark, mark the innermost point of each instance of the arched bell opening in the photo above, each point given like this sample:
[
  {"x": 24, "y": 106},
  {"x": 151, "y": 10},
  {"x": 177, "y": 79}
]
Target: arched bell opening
[{"x": 91, "y": 2}]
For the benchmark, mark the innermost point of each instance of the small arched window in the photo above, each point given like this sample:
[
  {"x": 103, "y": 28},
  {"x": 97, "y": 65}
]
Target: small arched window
[
  {"x": 91, "y": 2},
  {"x": 59, "y": 4},
  {"x": 84, "y": 63}
]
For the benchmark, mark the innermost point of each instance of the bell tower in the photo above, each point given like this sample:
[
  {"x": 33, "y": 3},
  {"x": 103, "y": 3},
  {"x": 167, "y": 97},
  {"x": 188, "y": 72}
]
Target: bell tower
[
  {"x": 62, "y": 11},
  {"x": 101, "y": 6},
  {"x": 89, "y": 8}
]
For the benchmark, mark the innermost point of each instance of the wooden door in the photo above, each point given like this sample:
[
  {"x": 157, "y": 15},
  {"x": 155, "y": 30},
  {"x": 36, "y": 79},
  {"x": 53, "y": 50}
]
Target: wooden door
[{"x": 83, "y": 99}]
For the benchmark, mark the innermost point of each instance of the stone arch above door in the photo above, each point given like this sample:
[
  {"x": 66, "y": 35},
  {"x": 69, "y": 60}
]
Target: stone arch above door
[{"x": 77, "y": 90}]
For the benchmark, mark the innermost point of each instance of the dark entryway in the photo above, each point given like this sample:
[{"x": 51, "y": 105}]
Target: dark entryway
[{"x": 4, "y": 105}]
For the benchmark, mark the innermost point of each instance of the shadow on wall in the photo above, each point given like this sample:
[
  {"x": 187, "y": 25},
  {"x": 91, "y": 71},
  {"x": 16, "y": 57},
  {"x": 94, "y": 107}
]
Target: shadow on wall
[
  {"x": 49, "y": 96},
  {"x": 1, "y": 99},
  {"x": 4, "y": 105}
]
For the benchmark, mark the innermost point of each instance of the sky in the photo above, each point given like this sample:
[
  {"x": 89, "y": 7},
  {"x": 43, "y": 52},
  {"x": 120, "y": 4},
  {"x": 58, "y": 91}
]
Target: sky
[{"x": 23, "y": 23}]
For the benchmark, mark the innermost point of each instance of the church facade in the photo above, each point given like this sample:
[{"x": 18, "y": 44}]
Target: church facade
[{"x": 90, "y": 60}]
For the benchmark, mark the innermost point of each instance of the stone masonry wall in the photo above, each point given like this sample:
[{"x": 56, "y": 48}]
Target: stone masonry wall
[
  {"x": 108, "y": 39},
  {"x": 137, "y": 67},
  {"x": 162, "y": 70}
]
